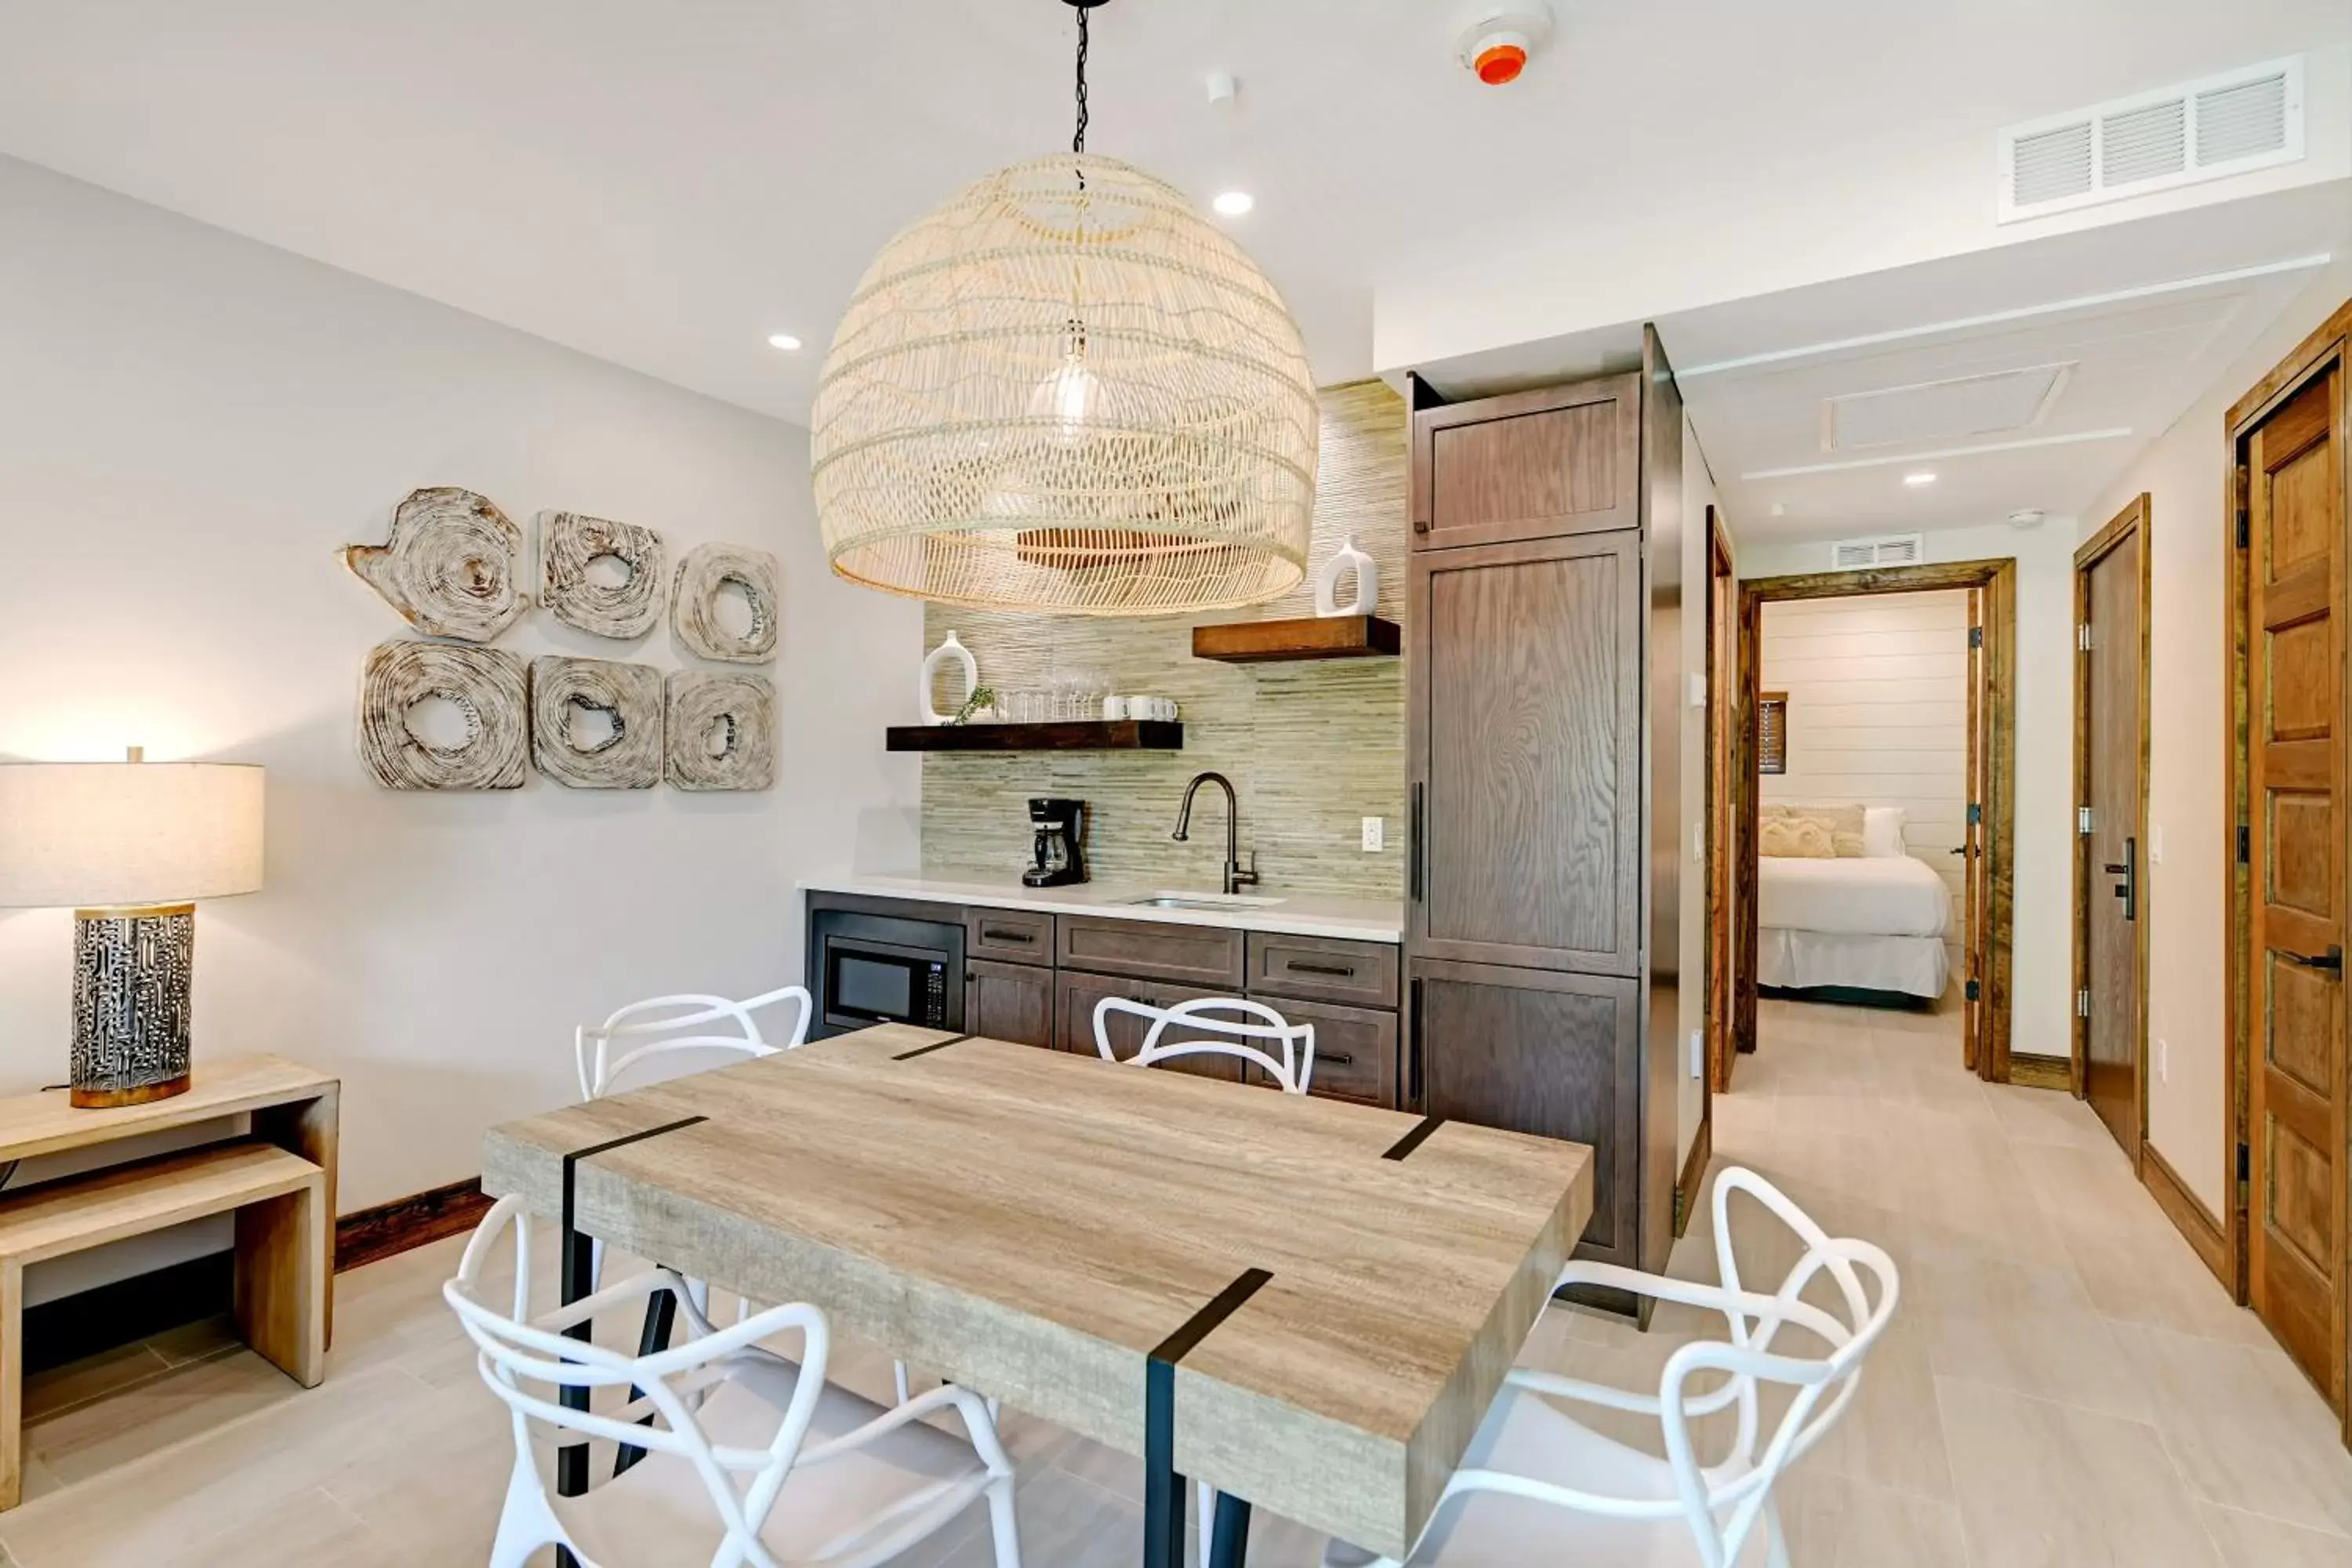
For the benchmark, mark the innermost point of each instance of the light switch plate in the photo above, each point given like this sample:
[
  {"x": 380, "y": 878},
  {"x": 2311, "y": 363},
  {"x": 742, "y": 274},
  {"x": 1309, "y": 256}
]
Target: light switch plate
[
  {"x": 1375, "y": 833},
  {"x": 1698, "y": 688},
  {"x": 2156, "y": 844},
  {"x": 1699, "y": 1054},
  {"x": 2163, "y": 1062}
]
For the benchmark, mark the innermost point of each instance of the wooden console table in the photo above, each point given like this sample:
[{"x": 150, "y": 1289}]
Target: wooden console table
[{"x": 280, "y": 1179}]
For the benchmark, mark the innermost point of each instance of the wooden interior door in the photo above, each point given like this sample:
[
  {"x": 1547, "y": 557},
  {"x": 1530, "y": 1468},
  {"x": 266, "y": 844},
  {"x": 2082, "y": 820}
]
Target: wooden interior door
[
  {"x": 1973, "y": 946},
  {"x": 2295, "y": 1081},
  {"x": 2112, "y": 860}
]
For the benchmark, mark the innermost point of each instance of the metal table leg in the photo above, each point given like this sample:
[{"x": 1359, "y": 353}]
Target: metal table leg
[
  {"x": 1229, "y": 1535},
  {"x": 578, "y": 1269},
  {"x": 1164, "y": 1491}
]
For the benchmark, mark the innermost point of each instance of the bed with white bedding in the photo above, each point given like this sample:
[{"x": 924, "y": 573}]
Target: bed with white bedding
[{"x": 1876, "y": 922}]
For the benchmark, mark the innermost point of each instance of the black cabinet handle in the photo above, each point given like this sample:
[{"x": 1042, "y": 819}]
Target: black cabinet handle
[
  {"x": 2331, "y": 961},
  {"x": 1025, "y": 938},
  {"x": 1341, "y": 969},
  {"x": 1413, "y": 853},
  {"x": 1336, "y": 1059}
]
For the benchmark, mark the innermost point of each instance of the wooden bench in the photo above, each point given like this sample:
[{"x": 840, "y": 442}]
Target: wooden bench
[{"x": 280, "y": 1181}]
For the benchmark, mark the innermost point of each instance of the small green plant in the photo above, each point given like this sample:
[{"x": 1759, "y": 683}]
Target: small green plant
[{"x": 982, "y": 699}]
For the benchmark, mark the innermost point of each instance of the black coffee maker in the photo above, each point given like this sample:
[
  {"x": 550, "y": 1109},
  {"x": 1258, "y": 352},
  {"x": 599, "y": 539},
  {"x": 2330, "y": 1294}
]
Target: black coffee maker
[{"x": 1060, "y": 827}]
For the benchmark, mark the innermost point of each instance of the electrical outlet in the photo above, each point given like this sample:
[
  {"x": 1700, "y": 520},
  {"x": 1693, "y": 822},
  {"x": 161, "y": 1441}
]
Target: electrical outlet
[
  {"x": 1375, "y": 833},
  {"x": 2163, "y": 1063}
]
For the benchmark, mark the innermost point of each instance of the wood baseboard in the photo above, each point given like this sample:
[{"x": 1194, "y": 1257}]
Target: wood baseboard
[
  {"x": 370, "y": 1235},
  {"x": 1693, "y": 1176},
  {"x": 2189, "y": 1216},
  {"x": 2041, "y": 1072}
]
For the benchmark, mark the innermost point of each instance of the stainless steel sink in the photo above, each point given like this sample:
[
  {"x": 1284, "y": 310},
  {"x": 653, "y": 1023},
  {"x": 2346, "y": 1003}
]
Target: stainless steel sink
[{"x": 1167, "y": 900}]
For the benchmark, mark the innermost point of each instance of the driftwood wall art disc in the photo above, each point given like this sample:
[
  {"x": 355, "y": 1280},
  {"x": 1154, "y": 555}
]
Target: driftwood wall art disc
[
  {"x": 721, "y": 729},
  {"x": 626, "y": 703},
  {"x": 704, "y": 574},
  {"x": 569, "y": 546},
  {"x": 451, "y": 566},
  {"x": 484, "y": 685}
]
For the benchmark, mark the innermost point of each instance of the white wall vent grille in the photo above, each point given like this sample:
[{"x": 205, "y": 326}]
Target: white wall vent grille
[
  {"x": 2229, "y": 124},
  {"x": 1886, "y": 550}
]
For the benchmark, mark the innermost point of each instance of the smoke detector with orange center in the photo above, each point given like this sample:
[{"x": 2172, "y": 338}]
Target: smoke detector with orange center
[{"x": 1497, "y": 35}]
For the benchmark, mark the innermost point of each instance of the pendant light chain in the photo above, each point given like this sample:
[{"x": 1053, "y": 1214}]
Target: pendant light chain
[{"x": 1078, "y": 141}]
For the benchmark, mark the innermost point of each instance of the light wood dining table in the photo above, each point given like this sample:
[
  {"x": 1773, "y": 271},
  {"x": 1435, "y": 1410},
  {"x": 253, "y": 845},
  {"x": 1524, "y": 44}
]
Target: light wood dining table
[{"x": 1305, "y": 1303}]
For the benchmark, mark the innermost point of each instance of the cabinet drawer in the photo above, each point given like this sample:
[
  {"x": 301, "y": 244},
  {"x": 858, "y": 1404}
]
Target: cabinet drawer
[
  {"x": 1010, "y": 936},
  {"x": 1355, "y": 1051},
  {"x": 1076, "y": 996},
  {"x": 1322, "y": 969},
  {"x": 1190, "y": 956}
]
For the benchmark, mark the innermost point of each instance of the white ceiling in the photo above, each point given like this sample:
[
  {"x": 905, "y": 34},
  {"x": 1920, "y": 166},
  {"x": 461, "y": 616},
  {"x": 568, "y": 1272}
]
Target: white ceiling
[{"x": 663, "y": 186}]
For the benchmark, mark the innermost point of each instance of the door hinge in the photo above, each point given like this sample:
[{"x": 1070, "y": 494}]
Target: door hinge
[
  {"x": 1976, "y": 813},
  {"x": 2082, "y": 819},
  {"x": 2083, "y": 1004},
  {"x": 2083, "y": 637},
  {"x": 1972, "y": 991},
  {"x": 1975, "y": 636},
  {"x": 2245, "y": 844}
]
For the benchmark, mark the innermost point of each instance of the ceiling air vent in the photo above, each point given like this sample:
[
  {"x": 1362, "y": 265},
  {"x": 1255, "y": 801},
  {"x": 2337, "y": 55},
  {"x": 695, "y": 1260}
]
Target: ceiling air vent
[
  {"x": 1886, "y": 550},
  {"x": 2228, "y": 124}
]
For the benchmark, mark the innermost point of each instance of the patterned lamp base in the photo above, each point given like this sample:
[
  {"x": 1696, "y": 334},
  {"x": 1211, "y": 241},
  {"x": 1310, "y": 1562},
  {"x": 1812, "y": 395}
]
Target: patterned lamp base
[{"x": 132, "y": 969}]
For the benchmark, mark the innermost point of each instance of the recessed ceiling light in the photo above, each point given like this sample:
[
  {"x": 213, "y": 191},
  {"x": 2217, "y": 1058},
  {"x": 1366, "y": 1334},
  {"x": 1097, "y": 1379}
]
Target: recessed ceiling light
[
  {"x": 784, "y": 340},
  {"x": 1917, "y": 480},
  {"x": 1233, "y": 204}
]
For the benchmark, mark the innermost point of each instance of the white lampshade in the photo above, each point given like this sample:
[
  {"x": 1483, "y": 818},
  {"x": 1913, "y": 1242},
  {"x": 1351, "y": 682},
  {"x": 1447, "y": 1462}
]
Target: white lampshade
[{"x": 94, "y": 835}]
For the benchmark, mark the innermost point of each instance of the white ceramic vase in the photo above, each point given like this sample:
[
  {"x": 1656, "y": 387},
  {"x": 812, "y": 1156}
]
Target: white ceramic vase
[
  {"x": 1368, "y": 582},
  {"x": 950, "y": 651}
]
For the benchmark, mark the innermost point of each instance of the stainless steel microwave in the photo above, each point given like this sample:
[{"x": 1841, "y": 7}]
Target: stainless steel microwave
[{"x": 877, "y": 969}]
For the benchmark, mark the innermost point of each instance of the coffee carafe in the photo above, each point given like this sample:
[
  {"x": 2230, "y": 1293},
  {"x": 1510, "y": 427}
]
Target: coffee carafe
[{"x": 1060, "y": 825}]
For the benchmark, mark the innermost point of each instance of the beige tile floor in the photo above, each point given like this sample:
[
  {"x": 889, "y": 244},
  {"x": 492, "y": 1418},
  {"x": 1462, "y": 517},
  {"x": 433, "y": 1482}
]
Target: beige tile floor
[{"x": 2063, "y": 1384}]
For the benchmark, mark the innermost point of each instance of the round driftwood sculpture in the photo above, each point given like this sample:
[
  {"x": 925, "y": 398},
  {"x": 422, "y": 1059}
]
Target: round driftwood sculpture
[
  {"x": 484, "y": 684},
  {"x": 721, "y": 729},
  {"x": 1067, "y": 391},
  {"x": 627, "y": 699},
  {"x": 450, "y": 566},
  {"x": 704, "y": 574},
  {"x": 569, "y": 547}
]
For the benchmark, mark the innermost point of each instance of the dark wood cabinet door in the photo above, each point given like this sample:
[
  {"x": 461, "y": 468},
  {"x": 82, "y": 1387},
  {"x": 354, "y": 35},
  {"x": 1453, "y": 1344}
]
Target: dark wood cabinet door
[
  {"x": 1528, "y": 465},
  {"x": 1554, "y": 1054},
  {"x": 1526, "y": 754},
  {"x": 1076, "y": 995},
  {"x": 1008, "y": 1002},
  {"x": 1355, "y": 1051}
]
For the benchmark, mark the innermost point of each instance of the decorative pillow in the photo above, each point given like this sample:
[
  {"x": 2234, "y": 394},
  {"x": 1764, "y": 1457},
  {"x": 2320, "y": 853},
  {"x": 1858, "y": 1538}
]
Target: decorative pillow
[
  {"x": 1844, "y": 824},
  {"x": 1797, "y": 837},
  {"x": 1881, "y": 832}
]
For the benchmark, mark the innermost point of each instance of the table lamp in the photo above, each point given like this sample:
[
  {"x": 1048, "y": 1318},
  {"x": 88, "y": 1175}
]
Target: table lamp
[{"x": 129, "y": 846}]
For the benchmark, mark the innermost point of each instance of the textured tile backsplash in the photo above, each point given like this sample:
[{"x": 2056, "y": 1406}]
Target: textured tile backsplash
[{"x": 1313, "y": 748}]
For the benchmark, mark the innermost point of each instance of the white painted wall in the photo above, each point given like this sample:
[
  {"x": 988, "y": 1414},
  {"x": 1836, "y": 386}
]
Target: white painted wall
[
  {"x": 2183, "y": 473},
  {"x": 2041, "y": 970},
  {"x": 1878, "y": 715},
  {"x": 190, "y": 424}
]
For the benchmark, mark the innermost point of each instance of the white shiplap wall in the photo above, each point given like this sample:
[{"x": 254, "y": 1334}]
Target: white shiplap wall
[{"x": 1878, "y": 713}]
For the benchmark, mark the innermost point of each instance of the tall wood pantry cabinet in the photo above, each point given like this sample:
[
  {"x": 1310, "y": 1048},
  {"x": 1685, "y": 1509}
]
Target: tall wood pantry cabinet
[{"x": 1544, "y": 602}]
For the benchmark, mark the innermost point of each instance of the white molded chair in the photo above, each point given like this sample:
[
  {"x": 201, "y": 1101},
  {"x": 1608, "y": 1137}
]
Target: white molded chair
[
  {"x": 750, "y": 1460},
  {"x": 1204, "y": 1033},
  {"x": 660, "y": 1026},
  {"x": 1538, "y": 1486}
]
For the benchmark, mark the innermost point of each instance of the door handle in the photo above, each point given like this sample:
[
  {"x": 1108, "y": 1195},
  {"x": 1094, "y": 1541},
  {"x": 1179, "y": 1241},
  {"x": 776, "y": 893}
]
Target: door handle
[
  {"x": 2128, "y": 869},
  {"x": 2331, "y": 961}
]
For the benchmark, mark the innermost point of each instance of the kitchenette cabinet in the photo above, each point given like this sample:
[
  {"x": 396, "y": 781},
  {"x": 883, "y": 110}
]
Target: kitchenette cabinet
[{"x": 1542, "y": 899}]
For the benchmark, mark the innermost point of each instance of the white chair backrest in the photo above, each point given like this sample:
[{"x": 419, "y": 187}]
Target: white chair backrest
[
  {"x": 1825, "y": 1382},
  {"x": 1251, "y": 1027},
  {"x": 660, "y": 1026},
  {"x": 528, "y": 1361}
]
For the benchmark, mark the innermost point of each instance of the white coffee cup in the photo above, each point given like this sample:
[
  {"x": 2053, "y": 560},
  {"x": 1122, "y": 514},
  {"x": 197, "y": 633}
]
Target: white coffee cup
[
  {"x": 1115, "y": 708},
  {"x": 1165, "y": 709},
  {"x": 1139, "y": 707}
]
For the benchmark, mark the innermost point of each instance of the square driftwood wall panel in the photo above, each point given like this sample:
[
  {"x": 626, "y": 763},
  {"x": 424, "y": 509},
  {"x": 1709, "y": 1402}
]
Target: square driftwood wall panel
[
  {"x": 631, "y": 698},
  {"x": 485, "y": 684},
  {"x": 721, "y": 729},
  {"x": 704, "y": 574},
  {"x": 569, "y": 546}
]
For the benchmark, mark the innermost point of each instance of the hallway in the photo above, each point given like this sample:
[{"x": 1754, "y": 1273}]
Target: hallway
[{"x": 2064, "y": 1384}]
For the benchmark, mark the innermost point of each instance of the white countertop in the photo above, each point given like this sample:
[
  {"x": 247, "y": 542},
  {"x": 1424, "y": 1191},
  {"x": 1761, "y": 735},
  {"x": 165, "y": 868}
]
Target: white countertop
[{"x": 1358, "y": 919}]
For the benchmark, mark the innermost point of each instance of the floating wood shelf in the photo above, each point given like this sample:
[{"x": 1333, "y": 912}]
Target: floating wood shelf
[
  {"x": 1073, "y": 735},
  {"x": 1312, "y": 636}
]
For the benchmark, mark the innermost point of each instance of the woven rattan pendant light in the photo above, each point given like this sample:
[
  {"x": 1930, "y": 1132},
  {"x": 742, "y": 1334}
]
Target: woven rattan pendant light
[{"x": 1065, "y": 391}]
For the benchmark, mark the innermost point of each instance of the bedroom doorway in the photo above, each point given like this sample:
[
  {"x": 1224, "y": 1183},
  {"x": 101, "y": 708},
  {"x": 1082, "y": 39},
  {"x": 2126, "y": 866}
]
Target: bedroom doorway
[{"x": 1823, "y": 873}]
